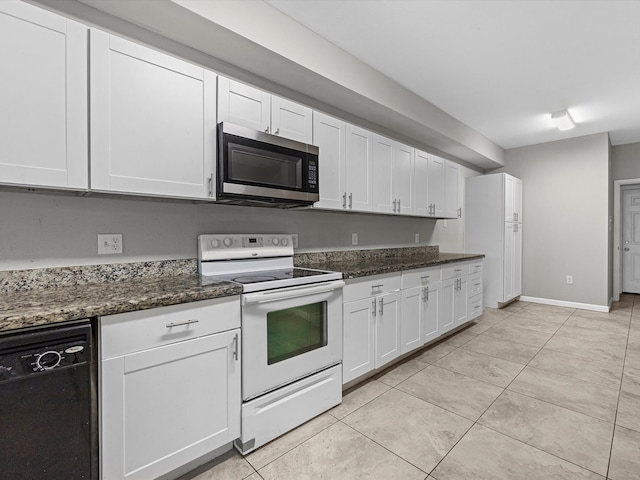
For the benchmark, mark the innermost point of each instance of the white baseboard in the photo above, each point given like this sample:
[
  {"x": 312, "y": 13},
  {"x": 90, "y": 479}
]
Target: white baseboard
[{"x": 562, "y": 303}]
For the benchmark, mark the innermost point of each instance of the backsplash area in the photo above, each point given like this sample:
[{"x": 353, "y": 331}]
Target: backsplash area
[{"x": 41, "y": 230}]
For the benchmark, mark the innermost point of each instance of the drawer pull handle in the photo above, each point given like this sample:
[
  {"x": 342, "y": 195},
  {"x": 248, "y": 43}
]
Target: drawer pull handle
[
  {"x": 377, "y": 287},
  {"x": 188, "y": 322},
  {"x": 477, "y": 284},
  {"x": 235, "y": 347},
  {"x": 458, "y": 270},
  {"x": 424, "y": 277}
]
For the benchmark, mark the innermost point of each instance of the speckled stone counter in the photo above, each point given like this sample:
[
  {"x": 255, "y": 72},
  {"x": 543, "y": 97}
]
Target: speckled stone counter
[
  {"x": 83, "y": 295},
  {"x": 362, "y": 263}
]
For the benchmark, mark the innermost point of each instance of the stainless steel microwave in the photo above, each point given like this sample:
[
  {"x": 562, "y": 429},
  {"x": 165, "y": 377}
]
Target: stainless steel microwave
[{"x": 259, "y": 168}]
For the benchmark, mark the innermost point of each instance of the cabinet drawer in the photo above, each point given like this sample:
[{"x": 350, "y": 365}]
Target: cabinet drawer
[
  {"x": 474, "y": 306},
  {"x": 420, "y": 277},
  {"x": 475, "y": 267},
  {"x": 455, "y": 270},
  {"x": 475, "y": 284},
  {"x": 371, "y": 286},
  {"x": 130, "y": 332}
]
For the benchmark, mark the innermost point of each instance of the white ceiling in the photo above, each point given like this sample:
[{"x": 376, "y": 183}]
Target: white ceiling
[{"x": 501, "y": 67}]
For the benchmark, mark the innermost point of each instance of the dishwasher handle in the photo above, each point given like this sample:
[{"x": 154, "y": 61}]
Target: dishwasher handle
[{"x": 292, "y": 292}]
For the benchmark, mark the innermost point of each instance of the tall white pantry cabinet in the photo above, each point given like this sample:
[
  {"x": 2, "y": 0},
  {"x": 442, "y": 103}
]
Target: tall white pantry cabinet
[{"x": 493, "y": 226}]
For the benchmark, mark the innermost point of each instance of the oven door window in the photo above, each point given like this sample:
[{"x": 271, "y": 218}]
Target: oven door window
[
  {"x": 268, "y": 168},
  {"x": 295, "y": 331}
]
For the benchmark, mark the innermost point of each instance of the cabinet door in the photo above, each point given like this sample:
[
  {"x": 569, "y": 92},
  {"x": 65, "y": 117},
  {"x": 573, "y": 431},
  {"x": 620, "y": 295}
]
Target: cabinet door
[
  {"x": 358, "y": 338},
  {"x": 460, "y": 302},
  {"x": 153, "y": 124},
  {"x": 44, "y": 98},
  {"x": 451, "y": 189},
  {"x": 512, "y": 199},
  {"x": 517, "y": 199},
  {"x": 413, "y": 309},
  {"x": 431, "y": 324},
  {"x": 382, "y": 150},
  {"x": 291, "y": 120},
  {"x": 436, "y": 186},
  {"x": 403, "y": 178},
  {"x": 446, "y": 318},
  {"x": 329, "y": 137},
  {"x": 517, "y": 260},
  {"x": 388, "y": 328},
  {"x": 358, "y": 171},
  {"x": 243, "y": 105},
  {"x": 169, "y": 405},
  {"x": 508, "y": 258},
  {"x": 421, "y": 184}
]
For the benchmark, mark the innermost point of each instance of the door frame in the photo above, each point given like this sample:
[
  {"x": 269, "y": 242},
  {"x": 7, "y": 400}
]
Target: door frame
[{"x": 617, "y": 233}]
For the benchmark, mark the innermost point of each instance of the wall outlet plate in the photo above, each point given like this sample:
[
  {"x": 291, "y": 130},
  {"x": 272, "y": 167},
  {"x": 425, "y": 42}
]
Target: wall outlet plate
[
  {"x": 354, "y": 239},
  {"x": 417, "y": 238},
  {"x": 569, "y": 279},
  {"x": 109, "y": 243}
]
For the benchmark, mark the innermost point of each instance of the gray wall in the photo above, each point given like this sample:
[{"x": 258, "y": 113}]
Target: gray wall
[
  {"x": 44, "y": 230},
  {"x": 625, "y": 161},
  {"x": 566, "y": 215}
]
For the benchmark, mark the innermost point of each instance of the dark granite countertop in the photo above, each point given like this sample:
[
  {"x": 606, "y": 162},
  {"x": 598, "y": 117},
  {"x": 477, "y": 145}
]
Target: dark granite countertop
[
  {"x": 362, "y": 263},
  {"x": 29, "y": 308}
]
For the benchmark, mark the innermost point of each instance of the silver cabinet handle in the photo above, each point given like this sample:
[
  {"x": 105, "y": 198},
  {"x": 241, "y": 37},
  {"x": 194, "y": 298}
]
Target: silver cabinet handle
[
  {"x": 351, "y": 201},
  {"x": 626, "y": 249},
  {"x": 399, "y": 206},
  {"x": 266, "y": 130},
  {"x": 344, "y": 200},
  {"x": 394, "y": 206},
  {"x": 377, "y": 287},
  {"x": 177, "y": 324},
  {"x": 211, "y": 186},
  {"x": 235, "y": 347},
  {"x": 381, "y": 306},
  {"x": 277, "y": 131},
  {"x": 373, "y": 307},
  {"x": 515, "y": 228},
  {"x": 424, "y": 277}
]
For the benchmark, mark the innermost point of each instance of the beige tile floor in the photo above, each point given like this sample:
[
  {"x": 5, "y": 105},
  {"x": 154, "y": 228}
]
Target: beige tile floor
[{"x": 528, "y": 392}]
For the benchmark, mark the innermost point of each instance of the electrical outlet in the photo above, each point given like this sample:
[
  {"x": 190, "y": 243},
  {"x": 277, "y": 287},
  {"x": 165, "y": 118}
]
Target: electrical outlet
[
  {"x": 417, "y": 238},
  {"x": 444, "y": 223},
  {"x": 109, "y": 243},
  {"x": 354, "y": 239},
  {"x": 569, "y": 279}
]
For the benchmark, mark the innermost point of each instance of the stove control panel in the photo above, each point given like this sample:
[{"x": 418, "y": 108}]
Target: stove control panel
[{"x": 227, "y": 247}]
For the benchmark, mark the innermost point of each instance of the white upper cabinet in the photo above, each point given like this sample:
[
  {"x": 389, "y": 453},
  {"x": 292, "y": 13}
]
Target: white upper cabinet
[
  {"x": 383, "y": 200},
  {"x": 44, "y": 98},
  {"x": 358, "y": 169},
  {"x": 512, "y": 199},
  {"x": 435, "y": 185},
  {"x": 329, "y": 135},
  {"x": 421, "y": 184},
  {"x": 253, "y": 108},
  {"x": 403, "y": 178},
  {"x": 451, "y": 175},
  {"x": 153, "y": 126}
]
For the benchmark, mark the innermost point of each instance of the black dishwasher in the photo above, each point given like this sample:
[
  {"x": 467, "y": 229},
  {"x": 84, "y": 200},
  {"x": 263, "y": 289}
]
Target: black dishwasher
[{"x": 48, "y": 413}]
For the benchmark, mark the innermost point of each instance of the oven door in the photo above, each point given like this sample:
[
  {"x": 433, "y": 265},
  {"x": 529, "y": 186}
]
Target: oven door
[{"x": 288, "y": 334}]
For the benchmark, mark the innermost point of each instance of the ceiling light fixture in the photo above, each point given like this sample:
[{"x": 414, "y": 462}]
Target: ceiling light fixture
[{"x": 562, "y": 120}]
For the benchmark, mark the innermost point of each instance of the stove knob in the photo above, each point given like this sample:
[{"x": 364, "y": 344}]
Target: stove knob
[
  {"x": 215, "y": 243},
  {"x": 284, "y": 242},
  {"x": 227, "y": 242},
  {"x": 276, "y": 240}
]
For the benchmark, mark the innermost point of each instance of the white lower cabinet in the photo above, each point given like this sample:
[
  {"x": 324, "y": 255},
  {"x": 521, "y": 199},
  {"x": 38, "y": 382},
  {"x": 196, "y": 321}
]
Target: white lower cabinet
[
  {"x": 371, "y": 324},
  {"x": 420, "y": 307},
  {"x": 170, "y": 386}
]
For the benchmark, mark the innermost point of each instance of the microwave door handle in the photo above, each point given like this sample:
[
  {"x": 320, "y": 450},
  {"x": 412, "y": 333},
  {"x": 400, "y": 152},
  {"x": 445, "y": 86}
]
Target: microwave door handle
[{"x": 293, "y": 292}]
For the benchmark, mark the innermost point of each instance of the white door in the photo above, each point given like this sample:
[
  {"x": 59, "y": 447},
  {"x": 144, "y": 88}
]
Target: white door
[
  {"x": 436, "y": 186},
  {"x": 460, "y": 302},
  {"x": 382, "y": 150},
  {"x": 358, "y": 171},
  {"x": 169, "y": 405},
  {"x": 43, "y": 111},
  {"x": 243, "y": 105},
  {"x": 403, "y": 180},
  {"x": 631, "y": 240},
  {"x": 329, "y": 137},
  {"x": 388, "y": 328},
  {"x": 291, "y": 120},
  {"x": 153, "y": 126},
  {"x": 358, "y": 338},
  {"x": 413, "y": 306},
  {"x": 517, "y": 199},
  {"x": 451, "y": 175},
  {"x": 431, "y": 327},
  {"x": 421, "y": 184}
]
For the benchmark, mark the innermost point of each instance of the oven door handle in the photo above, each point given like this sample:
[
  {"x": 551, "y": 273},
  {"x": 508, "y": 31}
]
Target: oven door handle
[{"x": 293, "y": 292}]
